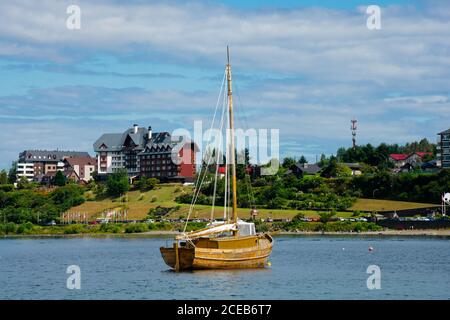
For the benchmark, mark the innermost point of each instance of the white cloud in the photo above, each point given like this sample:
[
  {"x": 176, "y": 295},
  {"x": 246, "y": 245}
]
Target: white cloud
[{"x": 320, "y": 67}]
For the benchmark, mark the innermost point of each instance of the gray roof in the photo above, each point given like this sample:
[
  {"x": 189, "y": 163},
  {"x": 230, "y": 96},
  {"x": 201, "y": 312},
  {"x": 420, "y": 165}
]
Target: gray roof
[
  {"x": 49, "y": 155},
  {"x": 161, "y": 140},
  {"x": 445, "y": 132},
  {"x": 112, "y": 142},
  {"x": 352, "y": 165},
  {"x": 308, "y": 168},
  {"x": 115, "y": 141}
]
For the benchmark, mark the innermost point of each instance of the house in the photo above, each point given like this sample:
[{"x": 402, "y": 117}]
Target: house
[
  {"x": 399, "y": 159},
  {"x": 430, "y": 166},
  {"x": 301, "y": 169},
  {"x": 443, "y": 149},
  {"x": 33, "y": 164},
  {"x": 80, "y": 169},
  {"x": 354, "y": 166},
  {"x": 49, "y": 177},
  {"x": 402, "y": 160},
  {"x": 222, "y": 170},
  {"x": 143, "y": 152}
]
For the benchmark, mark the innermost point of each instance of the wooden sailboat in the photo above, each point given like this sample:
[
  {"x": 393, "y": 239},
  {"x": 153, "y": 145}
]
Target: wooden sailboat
[{"x": 232, "y": 244}]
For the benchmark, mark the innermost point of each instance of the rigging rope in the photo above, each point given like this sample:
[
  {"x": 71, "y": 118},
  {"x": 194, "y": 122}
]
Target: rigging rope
[
  {"x": 197, "y": 187},
  {"x": 218, "y": 153}
]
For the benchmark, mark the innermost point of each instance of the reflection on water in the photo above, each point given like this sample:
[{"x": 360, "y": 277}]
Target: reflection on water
[{"x": 308, "y": 267}]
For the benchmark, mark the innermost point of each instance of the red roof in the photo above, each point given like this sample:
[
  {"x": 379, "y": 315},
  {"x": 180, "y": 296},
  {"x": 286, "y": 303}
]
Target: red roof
[
  {"x": 81, "y": 161},
  {"x": 423, "y": 154},
  {"x": 403, "y": 156},
  {"x": 398, "y": 156},
  {"x": 222, "y": 170}
]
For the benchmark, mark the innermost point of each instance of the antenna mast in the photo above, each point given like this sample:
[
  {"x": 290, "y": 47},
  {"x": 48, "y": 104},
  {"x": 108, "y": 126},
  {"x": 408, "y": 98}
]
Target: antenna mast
[{"x": 353, "y": 128}]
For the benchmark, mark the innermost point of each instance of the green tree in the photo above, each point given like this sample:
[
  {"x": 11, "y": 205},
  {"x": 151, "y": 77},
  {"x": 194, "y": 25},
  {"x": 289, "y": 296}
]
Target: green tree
[
  {"x": 302, "y": 160},
  {"x": 23, "y": 183},
  {"x": 3, "y": 177},
  {"x": 242, "y": 162},
  {"x": 60, "y": 179},
  {"x": 117, "y": 183},
  {"x": 323, "y": 161},
  {"x": 326, "y": 216},
  {"x": 12, "y": 175},
  {"x": 147, "y": 184},
  {"x": 288, "y": 162}
]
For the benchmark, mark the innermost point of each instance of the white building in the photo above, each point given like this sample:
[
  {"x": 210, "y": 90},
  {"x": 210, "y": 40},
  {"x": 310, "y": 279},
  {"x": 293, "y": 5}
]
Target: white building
[{"x": 26, "y": 170}]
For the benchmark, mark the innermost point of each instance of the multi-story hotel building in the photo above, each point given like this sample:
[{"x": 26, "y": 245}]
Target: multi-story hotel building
[
  {"x": 145, "y": 153},
  {"x": 443, "y": 149},
  {"x": 34, "y": 164}
]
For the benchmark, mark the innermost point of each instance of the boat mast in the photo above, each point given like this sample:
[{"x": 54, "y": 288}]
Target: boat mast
[{"x": 232, "y": 155}]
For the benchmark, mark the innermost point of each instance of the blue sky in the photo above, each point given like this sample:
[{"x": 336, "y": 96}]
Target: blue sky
[{"x": 304, "y": 67}]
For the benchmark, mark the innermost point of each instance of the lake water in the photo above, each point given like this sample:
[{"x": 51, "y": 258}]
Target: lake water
[{"x": 302, "y": 267}]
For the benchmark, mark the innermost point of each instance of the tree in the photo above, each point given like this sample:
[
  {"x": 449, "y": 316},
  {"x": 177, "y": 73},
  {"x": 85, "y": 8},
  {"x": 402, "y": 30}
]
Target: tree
[
  {"x": 242, "y": 162},
  {"x": 323, "y": 161},
  {"x": 23, "y": 183},
  {"x": 147, "y": 184},
  {"x": 3, "y": 177},
  {"x": 12, "y": 175},
  {"x": 288, "y": 163},
  {"x": 331, "y": 168},
  {"x": 326, "y": 216},
  {"x": 60, "y": 179},
  {"x": 302, "y": 160},
  {"x": 118, "y": 183}
]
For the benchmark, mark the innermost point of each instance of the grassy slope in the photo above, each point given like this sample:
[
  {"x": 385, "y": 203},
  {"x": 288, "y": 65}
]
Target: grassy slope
[
  {"x": 165, "y": 195},
  {"x": 385, "y": 205}
]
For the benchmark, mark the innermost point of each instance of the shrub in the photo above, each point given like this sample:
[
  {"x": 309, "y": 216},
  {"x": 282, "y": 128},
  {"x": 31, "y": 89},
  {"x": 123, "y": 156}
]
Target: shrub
[
  {"x": 136, "y": 228},
  {"x": 9, "y": 227},
  {"x": 110, "y": 227},
  {"x": 159, "y": 211},
  {"x": 118, "y": 183},
  {"x": 74, "y": 229},
  {"x": 326, "y": 216},
  {"x": 261, "y": 226},
  {"x": 356, "y": 213},
  {"x": 192, "y": 226},
  {"x": 6, "y": 187}
]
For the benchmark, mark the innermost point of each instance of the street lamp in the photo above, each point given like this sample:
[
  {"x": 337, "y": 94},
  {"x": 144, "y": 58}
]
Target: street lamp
[{"x": 373, "y": 193}]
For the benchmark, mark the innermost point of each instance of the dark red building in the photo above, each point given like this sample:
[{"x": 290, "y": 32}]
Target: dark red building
[{"x": 168, "y": 160}]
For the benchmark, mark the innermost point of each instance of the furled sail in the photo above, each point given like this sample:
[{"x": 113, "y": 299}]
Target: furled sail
[{"x": 204, "y": 232}]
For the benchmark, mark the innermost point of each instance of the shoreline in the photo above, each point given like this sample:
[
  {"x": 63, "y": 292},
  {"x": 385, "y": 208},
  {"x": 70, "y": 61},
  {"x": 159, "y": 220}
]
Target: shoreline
[
  {"x": 411, "y": 233},
  {"x": 384, "y": 233}
]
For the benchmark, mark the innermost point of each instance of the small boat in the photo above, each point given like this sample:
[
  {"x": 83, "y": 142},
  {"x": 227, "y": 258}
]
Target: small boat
[{"x": 231, "y": 244}]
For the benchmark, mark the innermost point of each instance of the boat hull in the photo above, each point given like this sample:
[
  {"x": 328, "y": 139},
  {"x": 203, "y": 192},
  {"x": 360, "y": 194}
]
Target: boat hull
[{"x": 240, "y": 253}]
